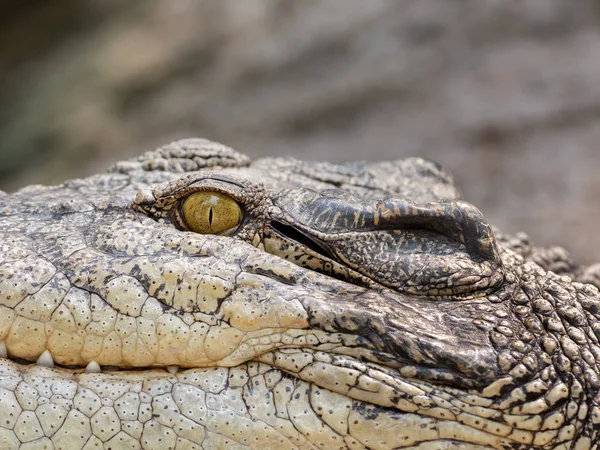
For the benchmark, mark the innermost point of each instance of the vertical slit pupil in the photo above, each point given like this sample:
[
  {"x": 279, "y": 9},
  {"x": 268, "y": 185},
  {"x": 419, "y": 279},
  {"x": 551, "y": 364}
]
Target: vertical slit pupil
[{"x": 210, "y": 216}]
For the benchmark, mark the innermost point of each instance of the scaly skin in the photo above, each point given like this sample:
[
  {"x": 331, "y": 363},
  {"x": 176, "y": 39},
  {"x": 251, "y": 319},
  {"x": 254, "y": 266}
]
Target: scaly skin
[{"x": 380, "y": 314}]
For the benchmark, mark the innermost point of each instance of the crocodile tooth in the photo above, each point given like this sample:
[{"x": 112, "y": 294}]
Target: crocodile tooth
[
  {"x": 45, "y": 359},
  {"x": 93, "y": 367},
  {"x": 3, "y": 352},
  {"x": 172, "y": 369}
]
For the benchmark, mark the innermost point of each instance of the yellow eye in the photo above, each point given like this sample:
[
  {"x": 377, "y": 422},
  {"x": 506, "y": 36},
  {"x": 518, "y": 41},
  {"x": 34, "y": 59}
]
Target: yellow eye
[{"x": 211, "y": 213}]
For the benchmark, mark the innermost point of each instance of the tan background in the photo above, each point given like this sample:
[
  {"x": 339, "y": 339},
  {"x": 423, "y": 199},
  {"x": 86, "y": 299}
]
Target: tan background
[{"x": 505, "y": 94}]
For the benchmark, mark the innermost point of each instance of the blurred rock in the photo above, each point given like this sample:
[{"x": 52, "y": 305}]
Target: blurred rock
[{"x": 503, "y": 94}]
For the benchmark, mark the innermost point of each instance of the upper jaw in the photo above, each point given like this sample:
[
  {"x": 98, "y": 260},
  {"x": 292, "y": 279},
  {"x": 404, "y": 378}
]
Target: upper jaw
[{"x": 392, "y": 329}]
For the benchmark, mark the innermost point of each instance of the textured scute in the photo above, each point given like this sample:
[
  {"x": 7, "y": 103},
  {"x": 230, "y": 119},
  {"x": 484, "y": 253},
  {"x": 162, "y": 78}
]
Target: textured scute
[
  {"x": 287, "y": 332},
  {"x": 186, "y": 155}
]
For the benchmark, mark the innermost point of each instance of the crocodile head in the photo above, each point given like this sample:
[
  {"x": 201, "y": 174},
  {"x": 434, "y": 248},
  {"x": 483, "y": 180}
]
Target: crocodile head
[{"x": 192, "y": 299}]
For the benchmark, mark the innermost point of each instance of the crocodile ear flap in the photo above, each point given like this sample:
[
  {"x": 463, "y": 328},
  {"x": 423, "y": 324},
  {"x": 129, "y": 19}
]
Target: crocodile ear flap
[
  {"x": 441, "y": 248},
  {"x": 185, "y": 155}
]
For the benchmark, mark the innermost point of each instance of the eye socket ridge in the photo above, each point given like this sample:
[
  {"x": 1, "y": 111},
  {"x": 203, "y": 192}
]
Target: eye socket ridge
[{"x": 211, "y": 212}]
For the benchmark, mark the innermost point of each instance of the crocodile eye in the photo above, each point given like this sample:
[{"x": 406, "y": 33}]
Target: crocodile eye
[{"x": 208, "y": 212}]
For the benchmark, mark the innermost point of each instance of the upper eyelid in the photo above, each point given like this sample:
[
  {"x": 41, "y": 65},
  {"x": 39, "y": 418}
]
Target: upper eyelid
[{"x": 188, "y": 190}]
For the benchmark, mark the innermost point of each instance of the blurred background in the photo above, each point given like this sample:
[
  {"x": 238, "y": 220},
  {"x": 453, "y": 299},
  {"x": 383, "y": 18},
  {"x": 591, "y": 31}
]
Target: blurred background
[{"x": 505, "y": 94}]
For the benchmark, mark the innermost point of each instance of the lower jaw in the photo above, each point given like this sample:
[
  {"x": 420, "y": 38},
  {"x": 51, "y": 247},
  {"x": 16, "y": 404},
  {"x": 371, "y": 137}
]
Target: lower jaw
[{"x": 228, "y": 405}]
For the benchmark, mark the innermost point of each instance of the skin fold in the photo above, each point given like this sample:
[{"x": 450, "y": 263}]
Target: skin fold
[{"x": 191, "y": 298}]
